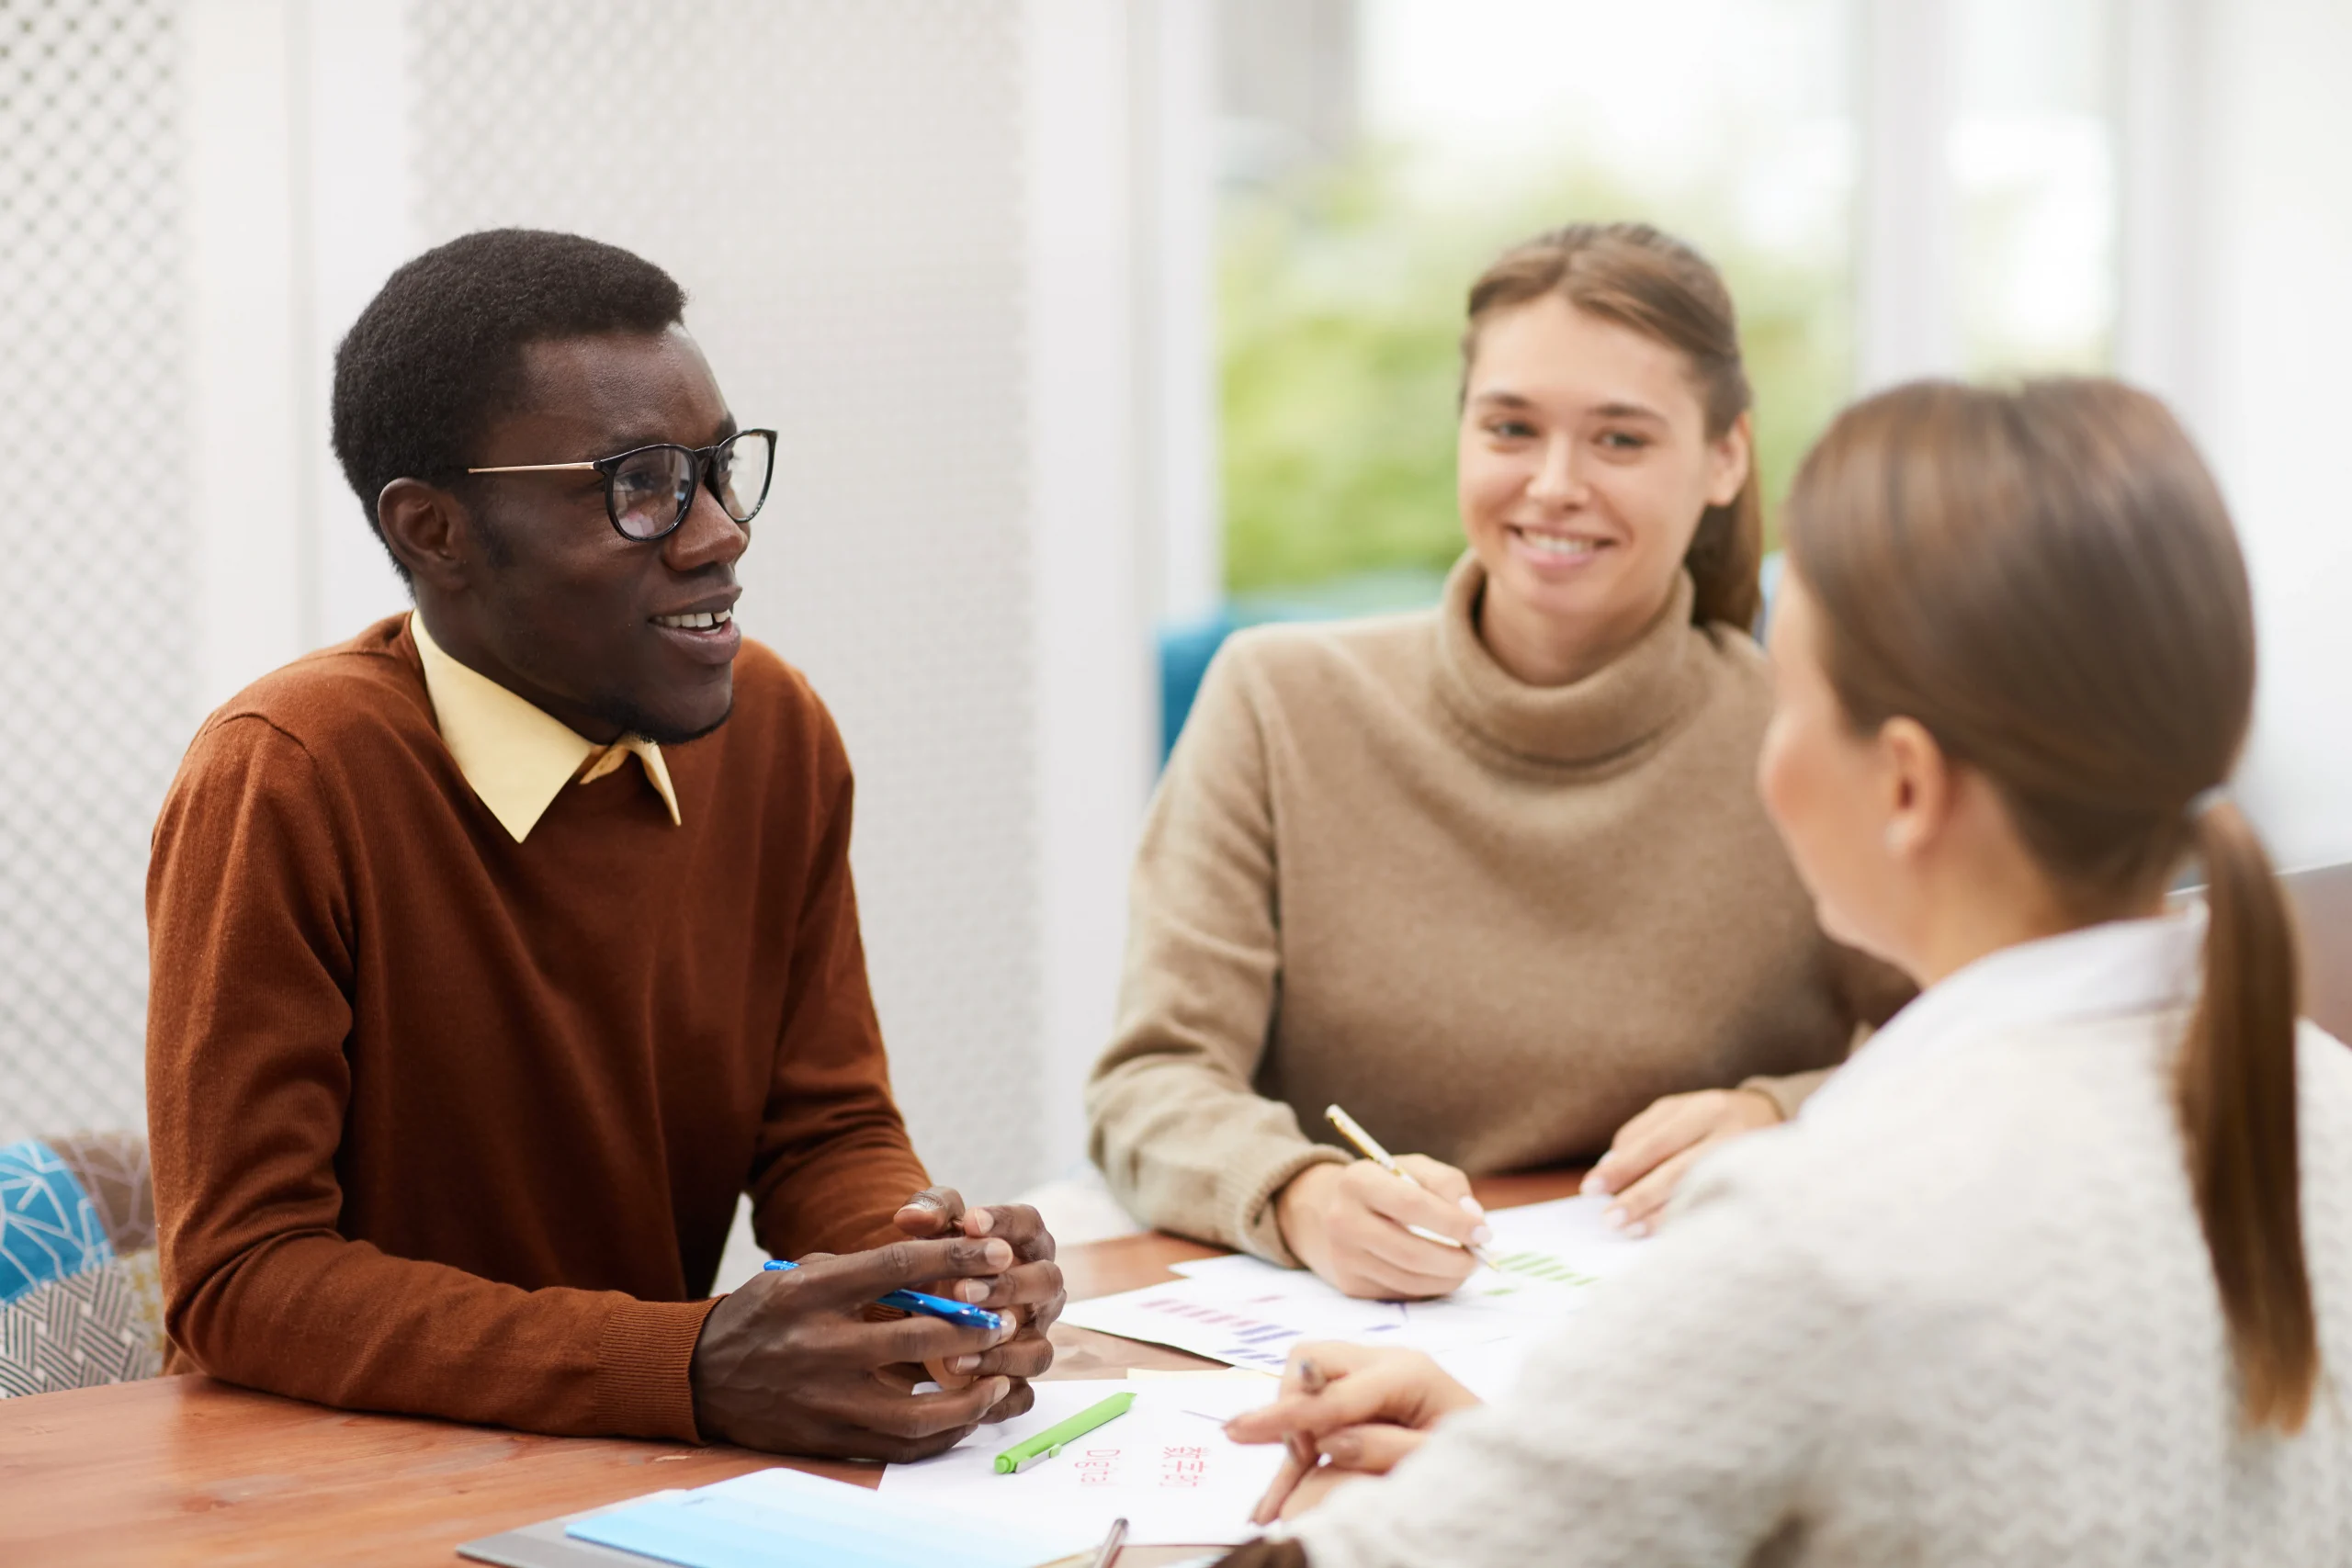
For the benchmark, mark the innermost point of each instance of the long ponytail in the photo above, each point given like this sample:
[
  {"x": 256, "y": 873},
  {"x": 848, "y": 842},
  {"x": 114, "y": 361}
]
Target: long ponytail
[
  {"x": 2237, "y": 1115},
  {"x": 2047, "y": 579}
]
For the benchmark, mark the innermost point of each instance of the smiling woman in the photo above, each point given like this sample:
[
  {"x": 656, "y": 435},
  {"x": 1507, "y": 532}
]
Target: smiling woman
[
  {"x": 1591, "y": 469},
  {"x": 1494, "y": 877}
]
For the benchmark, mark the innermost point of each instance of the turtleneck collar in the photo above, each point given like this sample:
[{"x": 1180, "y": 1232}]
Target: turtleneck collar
[{"x": 1638, "y": 695}]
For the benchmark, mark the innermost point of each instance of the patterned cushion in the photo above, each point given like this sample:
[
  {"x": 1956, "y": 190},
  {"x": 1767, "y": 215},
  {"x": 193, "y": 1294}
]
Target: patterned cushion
[
  {"x": 49, "y": 1227},
  {"x": 79, "y": 1298}
]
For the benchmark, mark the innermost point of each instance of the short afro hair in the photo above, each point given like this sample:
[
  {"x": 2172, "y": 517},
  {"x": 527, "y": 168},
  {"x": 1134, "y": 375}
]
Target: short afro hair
[{"x": 440, "y": 348}]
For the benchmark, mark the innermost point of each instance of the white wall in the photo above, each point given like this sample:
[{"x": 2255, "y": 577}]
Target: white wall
[
  {"x": 2236, "y": 307},
  {"x": 2277, "y": 280},
  {"x": 1092, "y": 639},
  {"x": 908, "y": 228},
  {"x": 249, "y": 447},
  {"x": 98, "y": 629},
  {"x": 1906, "y": 307},
  {"x": 359, "y": 223},
  {"x": 1174, "y": 121},
  {"x": 297, "y": 141}
]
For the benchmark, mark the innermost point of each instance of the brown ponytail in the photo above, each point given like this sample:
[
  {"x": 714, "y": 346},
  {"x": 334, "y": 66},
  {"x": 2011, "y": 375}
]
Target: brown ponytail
[
  {"x": 1651, "y": 282},
  {"x": 2237, "y": 1113},
  {"x": 2047, "y": 579}
]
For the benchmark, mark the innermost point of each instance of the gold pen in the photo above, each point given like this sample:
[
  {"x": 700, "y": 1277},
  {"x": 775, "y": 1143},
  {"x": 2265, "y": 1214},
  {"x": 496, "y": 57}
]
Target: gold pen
[{"x": 1353, "y": 1130}]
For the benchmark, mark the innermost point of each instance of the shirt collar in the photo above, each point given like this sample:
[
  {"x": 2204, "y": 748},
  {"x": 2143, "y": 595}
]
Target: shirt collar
[
  {"x": 2112, "y": 970},
  {"x": 518, "y": 757}
]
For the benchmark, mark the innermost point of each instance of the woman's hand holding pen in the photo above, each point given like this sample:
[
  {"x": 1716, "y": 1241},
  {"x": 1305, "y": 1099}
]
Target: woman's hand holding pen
[
  {"x": 1346, "y": 1410},
  {"x": 1031, "y": 1291},
  {"x": 1349, "y": 1224}
]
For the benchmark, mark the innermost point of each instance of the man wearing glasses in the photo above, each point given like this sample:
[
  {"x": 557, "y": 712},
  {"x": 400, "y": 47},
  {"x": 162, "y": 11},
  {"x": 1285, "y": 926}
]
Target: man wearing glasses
[{"x": 497, "y": 951}]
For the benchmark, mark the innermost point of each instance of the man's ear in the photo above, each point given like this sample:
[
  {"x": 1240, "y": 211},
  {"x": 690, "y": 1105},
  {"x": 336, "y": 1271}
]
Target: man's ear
[
  {"x": 429, "y": 531},
  {"x": 1919, "y": 782}
]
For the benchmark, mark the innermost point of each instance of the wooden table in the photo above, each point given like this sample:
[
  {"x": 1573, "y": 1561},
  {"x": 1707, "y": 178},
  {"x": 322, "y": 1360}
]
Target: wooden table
[{"x": 188, "y": 1471}]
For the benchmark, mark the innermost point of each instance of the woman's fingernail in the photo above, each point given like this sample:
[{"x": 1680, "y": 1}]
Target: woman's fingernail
[
  {"x": 1595, "y": 1184},
  {"x": 972, "y": 1290},
  {"x": 979, "y": 1222},
  {"x": 1639, "y": 1227},
  {"x": 1615, "y": 1218},
  {"x": 1482, "y": 1235},
  {"x": 963, "y": 1363},
  {"x": 996, "y": 1255},
  {"x": 1470, "y": 1206},
  {"x": 1345, "y": 1448}
]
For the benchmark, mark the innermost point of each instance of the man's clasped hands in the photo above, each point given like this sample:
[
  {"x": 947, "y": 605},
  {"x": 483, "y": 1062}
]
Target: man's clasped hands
[{"x": 801, "y": 1361}]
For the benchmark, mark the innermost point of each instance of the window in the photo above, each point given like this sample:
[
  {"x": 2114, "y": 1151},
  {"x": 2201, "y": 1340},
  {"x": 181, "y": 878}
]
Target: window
[
  {"x": 1377, "y": 157},
  {"x": 2033, "y": 160},
  {"x": 1378, "y": 153}
]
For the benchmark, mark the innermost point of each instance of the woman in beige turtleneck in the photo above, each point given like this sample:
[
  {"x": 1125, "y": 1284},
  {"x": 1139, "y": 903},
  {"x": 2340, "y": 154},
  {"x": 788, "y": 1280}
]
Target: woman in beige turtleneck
[{"x": 1495, "y": 878}]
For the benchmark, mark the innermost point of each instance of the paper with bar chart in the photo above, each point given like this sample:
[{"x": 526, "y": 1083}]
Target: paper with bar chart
[
  {"x": 1165, "y": 1466},
  {"x": 1250, "y": 1313}
]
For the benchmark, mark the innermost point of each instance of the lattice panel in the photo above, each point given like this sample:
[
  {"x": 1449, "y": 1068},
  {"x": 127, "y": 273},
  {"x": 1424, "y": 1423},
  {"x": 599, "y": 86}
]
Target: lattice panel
[
  {"x": 95, "y": 637},
  {"x": 838, "y": 184}
]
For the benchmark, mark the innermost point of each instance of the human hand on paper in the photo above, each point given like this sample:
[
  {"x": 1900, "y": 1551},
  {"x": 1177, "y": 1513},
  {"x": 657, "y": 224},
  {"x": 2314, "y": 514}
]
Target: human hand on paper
[
  {"x": 1348, "y": 1223},
  {"x": 1346, "y": 1410},
  {"x": 1650, "y": 1155},
  {"x": 791, "y": 1364},
  {"x": 1032, "y": 1291}
]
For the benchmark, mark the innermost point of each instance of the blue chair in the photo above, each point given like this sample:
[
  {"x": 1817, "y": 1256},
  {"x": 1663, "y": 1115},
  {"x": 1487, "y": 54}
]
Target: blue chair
[{"x": 1184, "y": 654}]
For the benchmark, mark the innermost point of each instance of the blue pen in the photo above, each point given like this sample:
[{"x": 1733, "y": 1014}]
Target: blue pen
[{"x": 930, "y": 1306}]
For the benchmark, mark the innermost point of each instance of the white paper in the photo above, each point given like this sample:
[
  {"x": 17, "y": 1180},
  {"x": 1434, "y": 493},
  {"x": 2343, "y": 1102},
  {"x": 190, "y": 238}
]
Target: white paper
[
  {"x": 1562, "y": 1241},
  {"x": 1250, "y": 1314},
  {"x": 1165, "y": 1466}
]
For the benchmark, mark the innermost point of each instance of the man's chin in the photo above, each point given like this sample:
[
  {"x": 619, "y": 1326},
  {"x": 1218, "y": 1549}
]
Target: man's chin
[{"x": 665, "y": 728}]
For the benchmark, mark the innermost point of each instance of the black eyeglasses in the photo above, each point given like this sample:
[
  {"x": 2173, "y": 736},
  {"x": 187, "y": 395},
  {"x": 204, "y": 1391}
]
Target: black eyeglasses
[{"x": 649, "y": 490}]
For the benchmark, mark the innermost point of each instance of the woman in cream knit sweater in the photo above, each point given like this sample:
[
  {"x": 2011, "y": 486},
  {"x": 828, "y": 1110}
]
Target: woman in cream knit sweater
[
  {"x": 1495, "y": 878},
  {"x": 2059, "y": 1270}
]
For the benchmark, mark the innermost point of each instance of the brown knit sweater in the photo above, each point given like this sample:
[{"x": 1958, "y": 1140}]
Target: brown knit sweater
[
  {"x": 1492, "y": 920},
  {"x": 451, "y": 1125}
]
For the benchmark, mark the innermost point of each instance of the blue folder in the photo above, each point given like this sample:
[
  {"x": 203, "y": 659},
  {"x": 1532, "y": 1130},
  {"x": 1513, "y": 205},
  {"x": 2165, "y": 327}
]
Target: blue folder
[{"x": 781, "y": 1518}]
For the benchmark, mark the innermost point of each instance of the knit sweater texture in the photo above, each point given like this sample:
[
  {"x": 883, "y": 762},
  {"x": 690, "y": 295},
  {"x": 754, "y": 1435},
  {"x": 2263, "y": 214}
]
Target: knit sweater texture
[
  {"x": 448, "y": 1124},
  {"x": 1970, "y": 1323},
  {"x": 1493, "y": 920}
]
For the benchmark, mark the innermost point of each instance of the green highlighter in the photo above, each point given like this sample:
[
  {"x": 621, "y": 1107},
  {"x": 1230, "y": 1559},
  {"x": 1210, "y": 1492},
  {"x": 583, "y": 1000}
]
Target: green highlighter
[{"x": 1049, "y": 1442}]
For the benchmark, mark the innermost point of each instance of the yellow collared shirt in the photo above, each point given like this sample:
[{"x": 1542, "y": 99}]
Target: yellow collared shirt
[{"x": 518, "y": 757}]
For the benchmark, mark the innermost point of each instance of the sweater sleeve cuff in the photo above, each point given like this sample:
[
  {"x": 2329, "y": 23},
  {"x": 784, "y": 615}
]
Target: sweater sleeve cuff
[
  {"x": 644, "y": 1369},
  {"x": 1247, "y": 1197},
  {"x": 1790, "y": 1092}
]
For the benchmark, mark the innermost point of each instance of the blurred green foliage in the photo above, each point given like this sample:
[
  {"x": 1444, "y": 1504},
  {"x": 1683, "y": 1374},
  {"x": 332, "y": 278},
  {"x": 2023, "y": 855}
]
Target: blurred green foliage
[{"x": 1342, "y": 300}]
